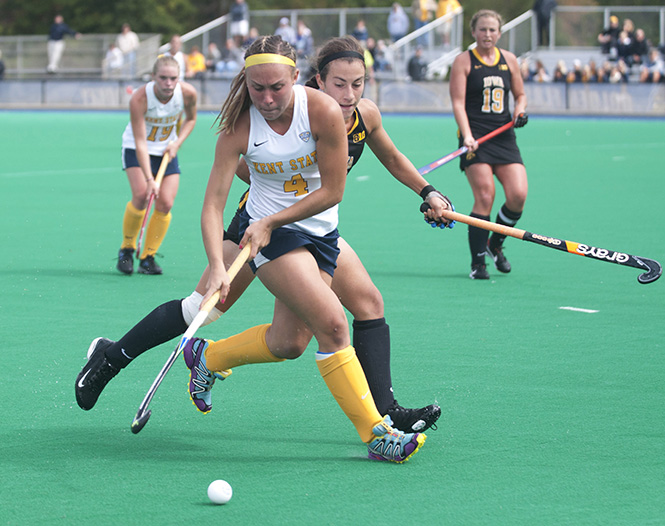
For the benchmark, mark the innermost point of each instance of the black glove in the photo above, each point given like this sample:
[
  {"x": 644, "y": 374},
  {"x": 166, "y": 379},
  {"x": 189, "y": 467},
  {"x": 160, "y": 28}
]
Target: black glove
[{"x": 521, "y": 120}]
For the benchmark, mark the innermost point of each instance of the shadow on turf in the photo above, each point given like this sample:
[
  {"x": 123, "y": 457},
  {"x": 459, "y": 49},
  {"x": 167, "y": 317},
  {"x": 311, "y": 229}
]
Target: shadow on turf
[
  {"x": 70, "y": 444},
  {"x": 432, "y": 276}
]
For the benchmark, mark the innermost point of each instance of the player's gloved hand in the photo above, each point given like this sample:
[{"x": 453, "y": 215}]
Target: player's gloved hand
[
  {"x": 521, "y": 120},
  {"x": 427, "y": 193}
]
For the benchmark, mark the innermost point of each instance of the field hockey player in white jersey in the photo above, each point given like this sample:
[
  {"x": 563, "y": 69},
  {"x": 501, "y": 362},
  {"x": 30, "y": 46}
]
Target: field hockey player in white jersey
[
  {"x": 154, "y": 130},
  {"x": 294, "y": 142},
  {"x": 342, "y": 75}
]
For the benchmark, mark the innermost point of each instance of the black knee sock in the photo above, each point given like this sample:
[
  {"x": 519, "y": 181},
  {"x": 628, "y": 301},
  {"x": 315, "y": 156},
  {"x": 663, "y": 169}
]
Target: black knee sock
[
  {"x": 371, "y": 339},
  {"x": 161, "y": 325},
  {"x": 478, "y": 241},
  {"x": 504, "y": 217}
]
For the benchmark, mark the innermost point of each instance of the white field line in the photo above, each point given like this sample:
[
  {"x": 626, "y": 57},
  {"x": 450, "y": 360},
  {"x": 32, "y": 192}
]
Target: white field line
[{"x": 577, "y": 309}]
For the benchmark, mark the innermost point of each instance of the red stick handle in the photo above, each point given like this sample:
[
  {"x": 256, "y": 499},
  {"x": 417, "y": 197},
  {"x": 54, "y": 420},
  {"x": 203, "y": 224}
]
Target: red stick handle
[{"x": 453, "y": 155}]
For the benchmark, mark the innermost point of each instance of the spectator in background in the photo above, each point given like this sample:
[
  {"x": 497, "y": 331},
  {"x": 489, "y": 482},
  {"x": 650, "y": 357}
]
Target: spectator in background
[
  {"x": 113, "y": 62},
  {"x": 213, "y": 56},
  {"x": 175, "y": 51},
  {"x": 398, "y": 22},
  {"x": 253, "y": 35},
  {"x": 383, "y": 60},
  {"x": 196, "y": 63},
  {"x": 577, "y": 73},
  {"x": 304, "y": 50},
  {"x": 2, "y": 66},
  {"x": 639, "y": 49},
  {"x": 540, "y": 73},
  {"x": 543, "y": 10},
  {"x": 360, "y": 32},
  {"x": 56, "y": 42},
  {"x": 560, "y": 73},
  {"x": 653, "y": 68},
  {"x": 608, "y": 38},
  {"x": 624, "y": 45},
  {"x": 232, "y": 58},
  {"x": 591, "y": 71},
  {"x": 619, "y": 72},
  {"x": 423, "y": 12},
  {"x": 603, "y": 72},
  {"x": 417, "y": 66},
  {"x": 628, "y": 27},
  {"x": 128, "y": 42},
  {"x": 444, "y": 7},
  {"x": 304, "y": 41},
  {"x": 525, "y": 70},
  {"x": 285, "y": 31},
  {"x": 239, "y": 26}
]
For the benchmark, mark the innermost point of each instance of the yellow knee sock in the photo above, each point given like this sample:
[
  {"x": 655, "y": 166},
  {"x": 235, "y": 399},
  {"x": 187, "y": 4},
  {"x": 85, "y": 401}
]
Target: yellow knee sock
[
  {"x": 242, "y": 349},
  {"x": 347, "y": 383},
  {"x": 155, "y": 233},
  {"x": 131, "y": 225}
]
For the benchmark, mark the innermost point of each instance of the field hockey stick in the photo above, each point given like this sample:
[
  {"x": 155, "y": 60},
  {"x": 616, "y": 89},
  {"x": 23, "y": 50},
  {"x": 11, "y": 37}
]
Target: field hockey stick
[
  {"x": 158, "y": 182},
  {"x": 144, "y": 413},
  {"x": 652, "y": 269},
  {"x": 454, "y": 155}
]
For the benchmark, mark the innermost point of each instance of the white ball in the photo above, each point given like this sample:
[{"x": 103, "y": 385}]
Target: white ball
[{"x": 220, "y": 492}]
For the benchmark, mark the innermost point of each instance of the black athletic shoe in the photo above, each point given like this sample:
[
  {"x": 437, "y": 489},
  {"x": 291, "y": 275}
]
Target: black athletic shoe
[
  {"x": 414, "y": 420},
  {"x": 126, "y": 260},
  {"x": 500, "y": 260},
  {"x": 479, "y": 271},
  {"x": 148, "y": 266},
  {"x": 94, "y": 376}
]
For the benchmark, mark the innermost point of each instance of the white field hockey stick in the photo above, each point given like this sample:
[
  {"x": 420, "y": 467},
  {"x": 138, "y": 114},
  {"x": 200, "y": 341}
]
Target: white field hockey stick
[
  {"x": 453, "y": 155},
  {"x": 650, "y": 267},
  {"x": 143, "y": 413},
  {"x": 158, "y": 182}
]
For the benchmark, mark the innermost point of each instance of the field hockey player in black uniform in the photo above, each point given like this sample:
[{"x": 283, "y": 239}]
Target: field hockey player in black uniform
[{"x": 481, "y": 81}]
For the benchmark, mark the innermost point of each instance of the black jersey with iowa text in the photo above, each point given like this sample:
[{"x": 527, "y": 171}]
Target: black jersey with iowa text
[
  {"x": 487, "y": 93},
  {"x": 487, "y": 108},
  {"x": 357, "y": 136}
]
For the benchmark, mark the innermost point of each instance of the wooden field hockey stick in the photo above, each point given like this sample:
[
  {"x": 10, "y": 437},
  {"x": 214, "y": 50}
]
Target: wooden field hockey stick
[
  {"x": 652, "y": 269},
  {"x": 453, "y": 155},
  {"x": 143, "y": 414},
  {"x": 158, "y": 182}
]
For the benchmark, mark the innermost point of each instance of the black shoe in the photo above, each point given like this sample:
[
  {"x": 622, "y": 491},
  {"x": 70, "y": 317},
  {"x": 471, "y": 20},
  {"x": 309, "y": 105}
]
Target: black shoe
[
  {"x": 126, "y": 260},
  {"x": 479, "y": 271},
  {"x": 500, "y": 260},
  {"x": 148, "y": 266},
  {"x": 94, "y": 376},
  {"x": 414, "y": 420}
]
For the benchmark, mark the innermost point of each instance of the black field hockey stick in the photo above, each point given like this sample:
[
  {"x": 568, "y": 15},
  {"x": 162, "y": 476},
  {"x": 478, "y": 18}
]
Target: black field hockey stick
[
  {"x": 453, "y": 155},
  {"x": 650, "y": 267},
  {"x": 143, "y": 414},
  {"x": 158, "y": 182}
]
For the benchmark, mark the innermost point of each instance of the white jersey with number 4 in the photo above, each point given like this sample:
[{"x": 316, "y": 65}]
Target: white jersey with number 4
[
  {"x": 161, "y": 121},
  {"x": 284, "y": 169}
]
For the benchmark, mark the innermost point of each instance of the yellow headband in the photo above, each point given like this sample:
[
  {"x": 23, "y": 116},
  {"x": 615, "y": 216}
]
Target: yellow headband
[{"x": 268, "y": 58}]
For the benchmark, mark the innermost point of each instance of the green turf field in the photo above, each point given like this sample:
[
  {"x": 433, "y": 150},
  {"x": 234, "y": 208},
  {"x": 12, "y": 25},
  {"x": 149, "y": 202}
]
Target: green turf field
[{"x": 550, "y": 416}]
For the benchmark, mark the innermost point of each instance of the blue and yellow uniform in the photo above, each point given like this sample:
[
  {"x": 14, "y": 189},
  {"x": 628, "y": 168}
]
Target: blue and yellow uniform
[{"x": 357, "y": 136}]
